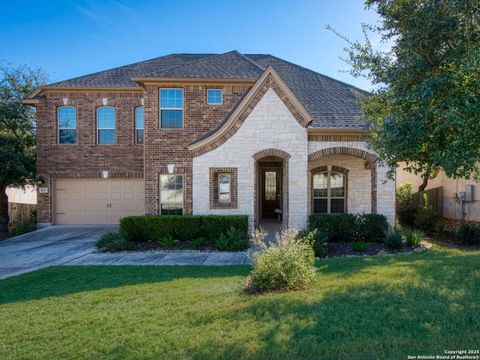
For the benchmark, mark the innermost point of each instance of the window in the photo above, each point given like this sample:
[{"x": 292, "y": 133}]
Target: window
[
  {"x": 67, "y": 125},
  {"x": 224, "y": 188},
  {"x": 139, "y": 125},
  {"x": 106, "y": 125},
  {"x": 171, "y": 194},
  {"x": 329, "y": 193},
  {"x": 171, "y": 108},
  {"x": 214, "y": 97}
]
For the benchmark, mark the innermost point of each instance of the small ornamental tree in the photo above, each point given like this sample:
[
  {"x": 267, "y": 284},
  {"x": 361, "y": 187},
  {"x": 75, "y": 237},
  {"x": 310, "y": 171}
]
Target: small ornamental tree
[
  {"x": 425, "y": 109},
  {"x": 17, "y": 132}
]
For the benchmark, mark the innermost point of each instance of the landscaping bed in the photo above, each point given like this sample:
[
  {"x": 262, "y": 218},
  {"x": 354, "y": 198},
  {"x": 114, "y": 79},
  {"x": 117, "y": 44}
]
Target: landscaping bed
[{"x": 345, "y": 249}]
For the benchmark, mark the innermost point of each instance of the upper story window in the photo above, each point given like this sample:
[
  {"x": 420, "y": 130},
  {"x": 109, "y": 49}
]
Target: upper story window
[
  {"x": 139, "y": 125},
  {"x": 171, "y": 108},
  {"x": 214, "y": 96},
  {"x": 329, "y": 193},
  {"x": 67, "y": 125},
  {"x": 106, "y": 125}
]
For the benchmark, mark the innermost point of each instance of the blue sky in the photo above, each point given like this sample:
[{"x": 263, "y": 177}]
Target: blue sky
[{"x": 73, "y": 38}]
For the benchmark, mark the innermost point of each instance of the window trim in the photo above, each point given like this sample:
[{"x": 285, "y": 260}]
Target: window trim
[
  {"x": 114, "y": 124},
  {"x": 160, "y": 202},
  {"x": 221, "y": 97},
  {"x": 229, "y": 201},
  {"x": 135, "y": 137},
  {"x": 329, "y": 197},
  {"x": 160, "y": 108},
  {"x": 58, "y": 125}
]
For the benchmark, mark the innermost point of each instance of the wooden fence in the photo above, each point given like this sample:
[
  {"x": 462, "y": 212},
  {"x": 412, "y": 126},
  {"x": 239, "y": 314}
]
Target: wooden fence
[
  {"x": 434, "y": 196},
  {"x": 20, "y": 213}
]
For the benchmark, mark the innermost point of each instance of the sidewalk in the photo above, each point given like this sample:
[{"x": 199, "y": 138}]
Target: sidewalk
[{"x": 163, "y": 258}]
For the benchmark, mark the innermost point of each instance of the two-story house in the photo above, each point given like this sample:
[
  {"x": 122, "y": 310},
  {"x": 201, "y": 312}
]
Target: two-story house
[{"x": 224, "y": 133}]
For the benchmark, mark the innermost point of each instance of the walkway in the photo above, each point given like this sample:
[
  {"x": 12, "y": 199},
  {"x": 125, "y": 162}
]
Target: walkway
[{"x": 75, "y": 245}]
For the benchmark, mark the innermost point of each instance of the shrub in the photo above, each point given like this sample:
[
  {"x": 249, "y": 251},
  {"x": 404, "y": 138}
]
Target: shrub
[
  {"x": 412, "y": 237},
  {"x": 426, "y": 219},
  {"x": 287, "y": 264},
  {"x": 316, "y": 239},
  {"x": 167, "y": 240},
  {"x": 111, "y": 242},
  {"x": 359, "y": 246},
  {"x": 185, "y": 227},
  {"x": 197, "y": 242},
  {"x": 339, "y": 227},
  {"x": 404, "y": 195},
  {"x": 232, "y": 240},
  {"x": 406, "y": 217},
  {"x": 371, "y": 227},
  {"x": 394, "y": 239},
  {"x": 468, "y": 233}
]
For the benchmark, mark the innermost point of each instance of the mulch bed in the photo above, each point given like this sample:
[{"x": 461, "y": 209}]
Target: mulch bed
[
  {"x": 448, "y": 240},
  {"x": 150, "y": 245},
  {"x": 345, "y": 249}
]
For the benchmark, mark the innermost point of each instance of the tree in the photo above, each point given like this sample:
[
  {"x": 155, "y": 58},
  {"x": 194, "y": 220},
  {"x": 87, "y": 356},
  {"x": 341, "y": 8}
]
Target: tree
[
  {"x": 425, "y": 109},
  {"x": 17, "y": 132}
]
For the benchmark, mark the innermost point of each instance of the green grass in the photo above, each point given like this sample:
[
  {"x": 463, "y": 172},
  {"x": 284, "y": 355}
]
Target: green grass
[{"x": 360, "y": 308}]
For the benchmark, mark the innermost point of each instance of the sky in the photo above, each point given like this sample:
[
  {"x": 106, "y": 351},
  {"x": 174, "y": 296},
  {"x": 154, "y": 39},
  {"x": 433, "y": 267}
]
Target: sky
[{"x": 69, "y": 38}]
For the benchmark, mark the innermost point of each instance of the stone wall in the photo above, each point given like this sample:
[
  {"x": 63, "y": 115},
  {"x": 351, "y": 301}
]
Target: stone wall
[{"x": 269, "y": 125}]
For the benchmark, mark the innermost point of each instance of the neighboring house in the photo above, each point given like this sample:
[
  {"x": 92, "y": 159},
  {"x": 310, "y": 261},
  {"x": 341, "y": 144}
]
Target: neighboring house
[
  {"x": 452, "y": 207},
  {"x": 228, "y": 133},
  {"x": 22, "y": 196}
]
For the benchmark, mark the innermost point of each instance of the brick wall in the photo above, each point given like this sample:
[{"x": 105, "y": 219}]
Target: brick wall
[{"x": 168, "y": 146}]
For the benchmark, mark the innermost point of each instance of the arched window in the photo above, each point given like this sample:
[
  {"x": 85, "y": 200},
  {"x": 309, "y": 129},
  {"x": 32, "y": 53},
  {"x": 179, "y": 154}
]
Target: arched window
[
  {"x": 329, "y": 192},
  {"x": 139, "y": 125},
  {"x": 106, "y": 125},
  {"x": 67, "y": 125}
]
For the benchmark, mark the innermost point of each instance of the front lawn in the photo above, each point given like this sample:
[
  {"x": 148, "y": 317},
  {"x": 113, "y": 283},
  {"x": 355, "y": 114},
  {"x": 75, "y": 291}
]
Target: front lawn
[{"x": 372, "y": 308}]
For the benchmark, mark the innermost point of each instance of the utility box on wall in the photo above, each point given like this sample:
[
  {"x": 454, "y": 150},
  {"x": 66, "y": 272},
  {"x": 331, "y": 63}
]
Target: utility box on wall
[{"x": 469, "y": 193}]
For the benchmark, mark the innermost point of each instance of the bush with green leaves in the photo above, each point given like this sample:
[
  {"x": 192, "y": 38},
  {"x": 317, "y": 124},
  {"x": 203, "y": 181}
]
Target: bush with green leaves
[
  {"x": 412, "y": 237},
  {"x": 285, "y": 264},
  {"x": 404, "y": 195},
  {"x": 112, "y": 242},
  {"x": 167, "y": 240},
  {"x": 232, "y": 240},
  {"x": 341, "y": 227},
  {"x": 197, "y": 242},
  {"x": 371, "y": 227},
  {"x": 468, "y": 233},
  {"x": 394, "y": 239},
  {"x": 184, "y": 228},
  {"x": 359, "y": 246},
  {"x": 350, "y": 227}
]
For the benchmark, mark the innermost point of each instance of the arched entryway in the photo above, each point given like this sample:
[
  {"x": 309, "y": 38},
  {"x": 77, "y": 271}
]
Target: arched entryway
[{"x": 271, "y": 188}]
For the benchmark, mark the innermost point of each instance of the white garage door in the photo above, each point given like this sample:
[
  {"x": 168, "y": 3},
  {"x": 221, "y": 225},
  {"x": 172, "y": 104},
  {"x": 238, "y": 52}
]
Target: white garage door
[{"x": 98, "y": 201}]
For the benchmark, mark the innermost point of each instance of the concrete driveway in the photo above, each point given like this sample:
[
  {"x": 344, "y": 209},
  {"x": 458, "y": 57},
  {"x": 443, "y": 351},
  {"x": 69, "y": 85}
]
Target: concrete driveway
[{"x": 50, "y": 246}]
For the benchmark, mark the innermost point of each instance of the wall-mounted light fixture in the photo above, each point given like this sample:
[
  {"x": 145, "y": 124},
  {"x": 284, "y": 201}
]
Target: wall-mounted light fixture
[
  {"x": 104, "y": 174},
  {"x": 171, "y": 168}
]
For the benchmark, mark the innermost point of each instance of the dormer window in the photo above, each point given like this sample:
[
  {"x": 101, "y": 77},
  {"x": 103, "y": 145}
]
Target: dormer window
[{"x": 214, "y": 96}]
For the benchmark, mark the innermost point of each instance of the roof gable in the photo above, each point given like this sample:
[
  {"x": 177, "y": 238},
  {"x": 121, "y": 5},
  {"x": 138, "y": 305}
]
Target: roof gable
[{"x": 269, "y": 80}]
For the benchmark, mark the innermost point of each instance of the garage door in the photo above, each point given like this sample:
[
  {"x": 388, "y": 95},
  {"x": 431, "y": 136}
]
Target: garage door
[{"x": 98, "y": 201}]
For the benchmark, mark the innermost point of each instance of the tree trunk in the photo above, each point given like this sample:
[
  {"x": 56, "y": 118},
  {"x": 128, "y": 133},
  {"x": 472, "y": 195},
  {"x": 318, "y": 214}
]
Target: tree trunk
[
  {"x": 4, "y": 219},
  {"x": 424, "y": 184}
]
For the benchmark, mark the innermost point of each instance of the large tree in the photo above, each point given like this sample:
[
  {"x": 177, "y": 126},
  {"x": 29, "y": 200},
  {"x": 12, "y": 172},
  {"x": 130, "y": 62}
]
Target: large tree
[
  {"x": 425, "y": 109},
  {"x": 17, "y": 132}
]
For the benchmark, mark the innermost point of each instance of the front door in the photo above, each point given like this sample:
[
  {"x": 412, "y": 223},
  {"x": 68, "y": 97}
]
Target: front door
[{"x": 271, "y": 191}]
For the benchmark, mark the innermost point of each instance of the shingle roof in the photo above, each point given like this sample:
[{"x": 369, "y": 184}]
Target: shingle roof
[{"x": 332, "y": 103}]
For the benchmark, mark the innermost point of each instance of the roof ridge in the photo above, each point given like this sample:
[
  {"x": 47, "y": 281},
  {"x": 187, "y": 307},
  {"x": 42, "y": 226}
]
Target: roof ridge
[
  {"x": 316, "y": 72},
  {"x": 196, "y": 61},
  {"x": 248, "y": 59}
]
